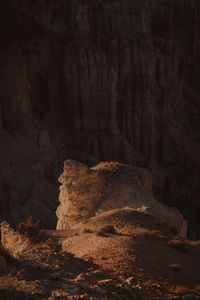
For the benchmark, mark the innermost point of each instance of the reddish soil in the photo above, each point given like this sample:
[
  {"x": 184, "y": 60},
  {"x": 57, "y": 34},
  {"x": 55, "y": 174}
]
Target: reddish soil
[{"x": 139, "y": 260}]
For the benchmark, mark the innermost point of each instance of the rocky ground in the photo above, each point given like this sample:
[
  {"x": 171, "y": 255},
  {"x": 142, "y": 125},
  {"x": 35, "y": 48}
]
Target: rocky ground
[
  {"x": 113, "y": 241},
  {"x": 103, "y": 264},
  {"x": 42, "y": 273}
]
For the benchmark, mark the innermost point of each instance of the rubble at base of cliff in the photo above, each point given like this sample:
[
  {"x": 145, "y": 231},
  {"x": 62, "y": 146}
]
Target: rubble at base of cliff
[{"x": 108, "y": 250}]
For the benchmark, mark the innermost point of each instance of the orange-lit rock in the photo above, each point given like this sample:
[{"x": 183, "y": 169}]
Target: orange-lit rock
[
  {"x": 12, "y": 240},
  {"x": 87, "y": 192},
  {"x": 99, "y": 80}
]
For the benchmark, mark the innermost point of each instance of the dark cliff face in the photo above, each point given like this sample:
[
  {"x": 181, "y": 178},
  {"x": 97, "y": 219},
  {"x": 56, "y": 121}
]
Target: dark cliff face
[{"x": 103, "y": 80}]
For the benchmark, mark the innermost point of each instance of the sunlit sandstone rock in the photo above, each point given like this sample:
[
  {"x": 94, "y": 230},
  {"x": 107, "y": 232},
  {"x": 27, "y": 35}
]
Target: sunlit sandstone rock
[
  {"x": 86, "y": 192},
  {"x": 12, "y": 241}
]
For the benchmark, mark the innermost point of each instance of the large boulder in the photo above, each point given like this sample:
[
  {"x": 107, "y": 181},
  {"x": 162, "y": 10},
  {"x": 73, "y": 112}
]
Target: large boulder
[{"x": 87, "y": 192}]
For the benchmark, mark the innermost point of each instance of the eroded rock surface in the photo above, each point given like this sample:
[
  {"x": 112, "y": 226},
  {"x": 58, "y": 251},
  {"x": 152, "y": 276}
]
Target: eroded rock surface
[
  {"x": 111, "y": 80},
  {"x": 117, "y": 253},
  {"x": 86, "y": 192},
  {"x": 12, "y": 241}
]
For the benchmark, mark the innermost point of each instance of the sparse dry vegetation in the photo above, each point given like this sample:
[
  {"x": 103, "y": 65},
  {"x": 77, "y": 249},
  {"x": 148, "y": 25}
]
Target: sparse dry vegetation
[{"x": 86, "y": 230}]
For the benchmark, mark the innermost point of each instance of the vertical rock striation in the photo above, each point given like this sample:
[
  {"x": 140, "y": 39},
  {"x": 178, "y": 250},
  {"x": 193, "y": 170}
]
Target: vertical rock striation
[{"x": 111, "y": 80}]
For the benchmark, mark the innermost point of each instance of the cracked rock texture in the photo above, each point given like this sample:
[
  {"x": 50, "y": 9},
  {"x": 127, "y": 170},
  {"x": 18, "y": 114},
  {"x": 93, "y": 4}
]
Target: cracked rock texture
[
  {"x": 109, "y": 186},
  {"x": 98, "y": 80}
]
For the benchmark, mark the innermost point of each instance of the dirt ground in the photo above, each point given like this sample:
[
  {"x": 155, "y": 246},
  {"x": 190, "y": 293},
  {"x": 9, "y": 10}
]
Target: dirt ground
[{"x": 132, "y": 258}]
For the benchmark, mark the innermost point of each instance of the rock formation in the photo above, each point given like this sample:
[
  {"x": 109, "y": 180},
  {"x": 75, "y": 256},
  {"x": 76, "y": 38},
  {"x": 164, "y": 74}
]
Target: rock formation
[
  {"x": 113, "y": 240},
  {"x": 86, "y": 192},
  {"x": 99, "y": 80}
]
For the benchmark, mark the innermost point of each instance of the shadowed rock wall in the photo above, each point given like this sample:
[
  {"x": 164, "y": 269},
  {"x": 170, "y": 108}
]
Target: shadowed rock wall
[{"x": 107, "y": 80}]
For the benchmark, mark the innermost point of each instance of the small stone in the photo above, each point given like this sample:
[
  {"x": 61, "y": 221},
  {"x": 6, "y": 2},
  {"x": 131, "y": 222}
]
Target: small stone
[
  {"x": 105, "y": 281},
  {"x": 83, "y": 296},
  {"x": 130, "y": 280},
  {"x": 81, "y": 276},
  {"x": 56, "y": 293}
]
